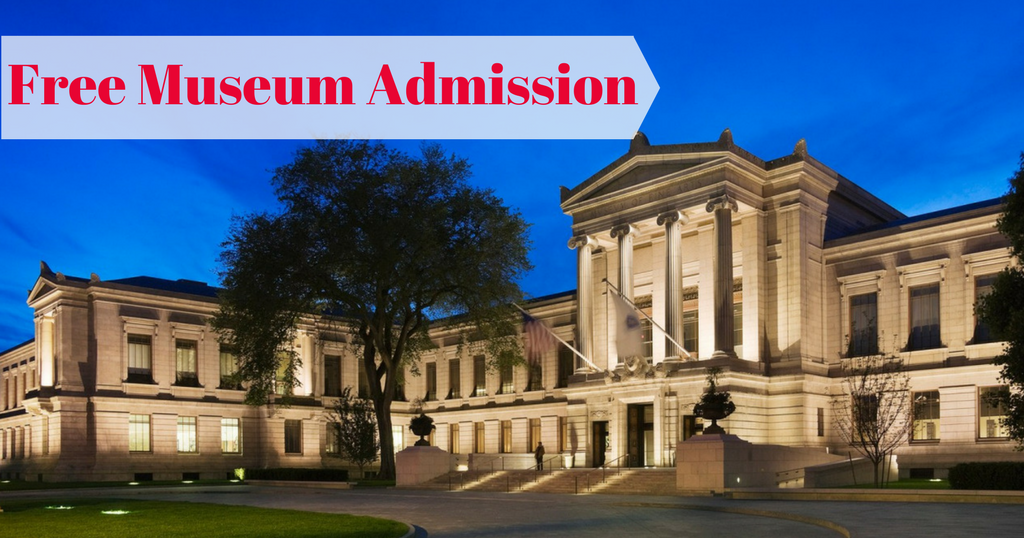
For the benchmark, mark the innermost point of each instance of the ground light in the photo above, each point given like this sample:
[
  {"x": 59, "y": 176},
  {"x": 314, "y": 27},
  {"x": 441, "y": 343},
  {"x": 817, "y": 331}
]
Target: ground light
[
  {"x": 115, "y": 512},
  {"x": 60, "y": 507},
  {"x": 133, "y": 483}
]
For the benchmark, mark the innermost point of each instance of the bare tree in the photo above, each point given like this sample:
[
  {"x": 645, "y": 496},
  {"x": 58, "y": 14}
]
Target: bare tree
[{"x": 872, "y": 415}]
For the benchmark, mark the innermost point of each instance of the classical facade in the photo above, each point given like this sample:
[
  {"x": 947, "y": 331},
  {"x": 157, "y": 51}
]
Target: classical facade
[{"x": 779, "y": 272}]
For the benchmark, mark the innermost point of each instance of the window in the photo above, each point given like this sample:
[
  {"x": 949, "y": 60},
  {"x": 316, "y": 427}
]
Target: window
[
  {"x": 991, "y": 413},
  {"x": 563, "y": 434},
  {"x": 533, "y": 436},
  {"x": 645, "y": 305},
  {"x": 431, "y": 382},
  {"x": 185, "y": 364},
  {"x": 231, "y": 436},
  {"x": 454, "y": 380},
  {"x": 453, "y": 439},
  {"x": 138, "y": 433},
  {"x": 863, "y": 325},
  {"x": 821, "y": 422},
  {"x": 505, "y": 445},
  {"x": 691, "y": 327},
  {"x": 479, "y": 376},
  {"x": 187, "y": 435},
  {"x": 284, "y": 362},
  {"x": 536, "y": 377},
  {"x": 505, "y": 376},
  {"x": 398, "y": 436},
  {"x": 865, "y": 416},
  {"x": 982, "y": 287},
  {"x": 926, "y": 416},
  {"x": 691, "y": 425},
  {"x": 333, "y": 445},
  {"x": 565, "y": 366},
  {"x": 228, "y": 368},
  {"x": 478, "y": 438},
  {"x": 293, "y": 437},
  {"x": 924, "y": 318},
  {"x": 140, "y": 358},
  {"x": 332, "y": 375}
]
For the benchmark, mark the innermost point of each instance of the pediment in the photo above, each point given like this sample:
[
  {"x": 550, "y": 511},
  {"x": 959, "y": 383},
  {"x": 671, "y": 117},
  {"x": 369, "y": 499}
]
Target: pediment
[
  {"x": 637, "y": 176},
  {"x": 41, "y": 289}
]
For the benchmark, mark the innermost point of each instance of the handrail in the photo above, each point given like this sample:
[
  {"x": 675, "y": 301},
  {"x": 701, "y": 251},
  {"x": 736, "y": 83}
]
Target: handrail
[
  {"x": 548, "y": 461},
  {"x": 604, "y": 468}
]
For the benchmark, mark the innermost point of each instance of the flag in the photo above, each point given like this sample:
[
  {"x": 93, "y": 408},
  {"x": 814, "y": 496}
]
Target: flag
[
  {"x": 629, "y": 334},
  {"x": 538, "y": 338}
]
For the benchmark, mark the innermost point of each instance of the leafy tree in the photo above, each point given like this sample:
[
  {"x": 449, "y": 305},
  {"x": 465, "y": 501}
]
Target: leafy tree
[
  {"x": 355, "y": 426},
  {"x": 1001, "y": 310},
  {"x": 373, "y": 243},
  {"x": 872, "y": 414}
]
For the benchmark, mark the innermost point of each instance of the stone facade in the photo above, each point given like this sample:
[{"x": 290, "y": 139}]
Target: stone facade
[{"x": 777, "y": 271}]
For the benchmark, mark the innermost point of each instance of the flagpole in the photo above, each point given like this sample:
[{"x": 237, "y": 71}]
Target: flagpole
[
  {"x": 649, "y": 318},
  {"x": 564, "y": 343}
]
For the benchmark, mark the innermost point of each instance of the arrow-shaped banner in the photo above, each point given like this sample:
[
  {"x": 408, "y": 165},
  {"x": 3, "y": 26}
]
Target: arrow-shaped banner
[{"x": 323, "y": 87}]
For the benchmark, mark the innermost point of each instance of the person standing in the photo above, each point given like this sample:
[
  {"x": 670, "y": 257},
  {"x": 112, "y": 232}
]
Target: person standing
[{"x": 539, "y": 456}]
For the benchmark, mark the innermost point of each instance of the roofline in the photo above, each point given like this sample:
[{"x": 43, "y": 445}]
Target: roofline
[
  {"x": 925, "y": 220},
  {"x": 18, "y": 346}
]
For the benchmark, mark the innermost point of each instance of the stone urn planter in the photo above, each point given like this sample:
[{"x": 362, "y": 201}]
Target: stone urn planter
[
  {"x": 714, "y": 404},
  {"x": 422, "y": 426}
]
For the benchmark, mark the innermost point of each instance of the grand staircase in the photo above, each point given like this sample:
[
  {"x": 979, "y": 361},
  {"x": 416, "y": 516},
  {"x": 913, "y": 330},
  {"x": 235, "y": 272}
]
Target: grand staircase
[{"x": 660, "y": 481}]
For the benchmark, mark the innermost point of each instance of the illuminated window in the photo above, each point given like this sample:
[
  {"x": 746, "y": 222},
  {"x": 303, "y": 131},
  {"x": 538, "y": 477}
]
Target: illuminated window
[
  {"x": 185, "y": 363},
  {"x": 691, "y": 318},
  {"x": 398, "y": 436},
  {"x": 565, "y": 366},
  {"x": 140, "y": 358},
  {"x": 924, "y": 318},
  {"x": 926, "y": 416},
  {"x": 563, "y": 434},
  {"x": 230, "y": 436},
  {"x": 364, "y": 383},
  {"x": 284, "y": 362},
  {"x": 479, "y": 376},
  {"x": 982, "y": 287},
  {"x": 187, "y": 435},
  {"x": 645, "y": 305},
  {"x": 138, "y": 433},
  {"x": 505, "y": 377},
  {"x": 453, "y": 439},
  {"x": 478, "y": 438},
  {"x": 332, "y": 375},
  {"x": 454, "y": 380},
  {"x": 505, "y": 446},
  {"x": 992, "y": 413},
  {"x": 293, "y": 437},
  {"x": 228, "y": 368},
  {"x": 534, "y": 434}
]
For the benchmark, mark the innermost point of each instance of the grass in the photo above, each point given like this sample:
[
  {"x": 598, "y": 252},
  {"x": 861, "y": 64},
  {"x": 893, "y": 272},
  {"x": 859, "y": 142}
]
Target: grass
[
  {"x": 18, "y": 485},
  {"x": 29, "y": 519},
  {"x": 909, "y": 483}
]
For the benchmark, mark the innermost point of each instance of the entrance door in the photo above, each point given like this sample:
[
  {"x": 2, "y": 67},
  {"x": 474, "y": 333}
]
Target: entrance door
[
  {"x": 640, "y": 434},
  {"x": 599, "y": 442}
]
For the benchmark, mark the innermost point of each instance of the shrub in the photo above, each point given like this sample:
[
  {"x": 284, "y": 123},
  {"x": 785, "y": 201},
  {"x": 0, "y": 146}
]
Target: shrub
[
  {"x": 302, "y": 475},
  {"x": 1002, "y": 475}
]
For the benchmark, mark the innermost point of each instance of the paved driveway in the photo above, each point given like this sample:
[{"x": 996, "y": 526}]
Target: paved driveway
[{"x": 477, "y": 515}]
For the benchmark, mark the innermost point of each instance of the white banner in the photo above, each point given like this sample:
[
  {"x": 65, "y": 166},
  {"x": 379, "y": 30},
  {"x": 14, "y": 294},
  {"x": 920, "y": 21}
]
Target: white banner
[{"x": 323, "y": 87}]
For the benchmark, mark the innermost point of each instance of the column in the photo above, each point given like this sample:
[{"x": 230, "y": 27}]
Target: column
[
  {"x": 755, "y": 256},
  {"x": 46, "y": 351},
  {"x": 584, "y": 245},
  {"x": 624, "y": 234},
  {"x": 673, "y": 222},
  {"x": 722, "y": 207}
]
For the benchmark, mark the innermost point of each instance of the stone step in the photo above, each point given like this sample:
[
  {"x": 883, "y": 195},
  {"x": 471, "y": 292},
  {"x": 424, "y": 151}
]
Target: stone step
[{"x": 572, "y": 481}]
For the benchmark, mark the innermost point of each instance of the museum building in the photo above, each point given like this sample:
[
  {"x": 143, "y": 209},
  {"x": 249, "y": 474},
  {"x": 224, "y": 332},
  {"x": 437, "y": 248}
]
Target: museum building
[{"x": 779, "y": 272}]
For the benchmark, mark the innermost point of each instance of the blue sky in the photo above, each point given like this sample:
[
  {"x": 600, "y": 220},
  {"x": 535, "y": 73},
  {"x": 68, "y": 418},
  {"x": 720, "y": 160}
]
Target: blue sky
[{"x": 920, "y": 103}]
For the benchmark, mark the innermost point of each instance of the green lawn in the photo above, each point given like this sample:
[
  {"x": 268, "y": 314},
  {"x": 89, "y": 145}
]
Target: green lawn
[
  {"x": 85, "y": 518},
  {"x": 18, "y": 485}
]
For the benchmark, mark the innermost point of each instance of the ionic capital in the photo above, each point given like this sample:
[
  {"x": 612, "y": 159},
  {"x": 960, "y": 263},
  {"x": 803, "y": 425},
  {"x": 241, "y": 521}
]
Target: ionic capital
[
  {"x": 581, "y": 241},
  {"x": 722, "y": 202},
  {"x": 623, "y": 230},
  {"x": 671, "y": 217}
]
